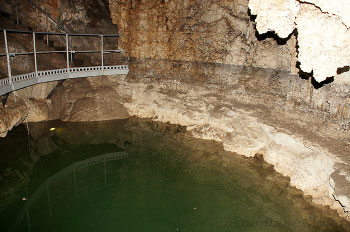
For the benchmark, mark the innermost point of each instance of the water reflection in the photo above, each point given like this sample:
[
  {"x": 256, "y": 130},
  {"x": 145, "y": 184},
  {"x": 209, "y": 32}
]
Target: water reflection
[
  {"x": 43, "y": 192},
  {"x": 169, "y": 182}
]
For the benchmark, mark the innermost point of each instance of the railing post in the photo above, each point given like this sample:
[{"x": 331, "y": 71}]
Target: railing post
[
  {"x": 35, "y": 60},
  {"x": 71, "y": 49},
  {"x": 102, "y": 51},
  {"x": 8, "y": 58},
  {"x": 67, "y": 53}
]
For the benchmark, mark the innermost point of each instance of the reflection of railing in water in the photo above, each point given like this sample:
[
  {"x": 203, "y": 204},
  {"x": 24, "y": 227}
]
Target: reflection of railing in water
[{"x": 70, "y": 170}]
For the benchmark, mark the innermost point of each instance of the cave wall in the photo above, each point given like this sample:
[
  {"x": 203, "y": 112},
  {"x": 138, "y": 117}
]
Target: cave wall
[
  {"x": 322, "y": 29},
  {"x": 197, "y": 31},
  {"x": 202, "y": 64},
  {"x": 222, "y": 32}
]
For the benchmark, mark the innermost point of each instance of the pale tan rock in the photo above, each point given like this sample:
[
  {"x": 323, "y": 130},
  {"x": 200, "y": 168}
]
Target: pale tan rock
[
  {"x": 88, "y": 99},
  {"x": 277, "y": 16},
  {"x": 12, "y": 116},
  {"x": 340, "y": 183},
  {"x": 38, "y": 110},
  {"x": 339, "y": 8},
  {"x": 322, "y": 27},
  {"x": 201, "y": 31},
  {"x": 323, "y": 42},
  {"x": 38, "y": 91},
  {"x": 208, "y": 112}
]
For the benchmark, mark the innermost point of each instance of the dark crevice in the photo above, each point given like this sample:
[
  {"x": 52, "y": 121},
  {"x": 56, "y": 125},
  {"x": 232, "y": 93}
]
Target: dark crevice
[
  {"x": 303, "y": 75},
  {"x": 251, "y": 17},
  {"x": 4, "y": 99},
  {"x": 315, "y": 84},
  {"x": 54, "y": 90},
  {"x": 269, "y": 34},
  {"x": 272, "y": 34},
  {"x": 343, "y": 69},
  {"x": 318, "y": 85}
]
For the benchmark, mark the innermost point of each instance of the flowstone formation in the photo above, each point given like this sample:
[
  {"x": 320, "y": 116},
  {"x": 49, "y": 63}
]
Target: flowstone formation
[
  {"x": 201, "y": 64},
  {"x": 196, "y": 31},
  {"x": 322, "y": 26}
]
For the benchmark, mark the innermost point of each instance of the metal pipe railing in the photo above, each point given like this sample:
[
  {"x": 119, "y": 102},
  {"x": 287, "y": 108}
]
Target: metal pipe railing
[
  {"x": 13, "y": 54},
  {"x": 52, "y": 21},
  {"x": 7, "y": 57},
  {"x": 58, "y": 33},
  {"x": 68, "y": 51}
]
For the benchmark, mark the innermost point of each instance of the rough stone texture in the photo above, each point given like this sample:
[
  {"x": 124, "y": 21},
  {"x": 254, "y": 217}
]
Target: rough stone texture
[
  {"x": 340, "y": 182},
  {"x": 205, "y": 31},
  {"x": 87, "y": 99},
  {"x": 329, "y": 48},
  {"x": 322, "y": 27},
  {"x": 38, "y": 91},
  {"x": 277, "y": 16},
  {"x": 340, "y": 8},
  {"x": 84, "y": 100},
  {"x": 208, "y": 71},
  {"x": 247, "y": 107},
  {"x": 240, "y": 107},
  {"x": 12, "y": 116}
]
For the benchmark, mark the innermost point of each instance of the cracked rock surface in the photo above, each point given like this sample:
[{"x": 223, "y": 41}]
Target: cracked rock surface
[
  {"x": 201, "y": 64},
  {"x": 323, "y": 34},
  {"x": 203, "y": 31}
]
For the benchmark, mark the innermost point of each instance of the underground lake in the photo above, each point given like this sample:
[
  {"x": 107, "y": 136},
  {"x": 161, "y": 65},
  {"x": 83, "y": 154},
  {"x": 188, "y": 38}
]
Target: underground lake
[{"x": 139, "y": 175}]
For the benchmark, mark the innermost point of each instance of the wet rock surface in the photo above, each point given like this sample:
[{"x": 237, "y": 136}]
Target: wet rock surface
[
  {"x": 206, "y": 69},
  {"x": 247, "y": 118}
]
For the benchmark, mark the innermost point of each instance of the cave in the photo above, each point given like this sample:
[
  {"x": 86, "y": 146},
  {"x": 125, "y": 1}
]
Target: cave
[{"x": 174, "y": 115}]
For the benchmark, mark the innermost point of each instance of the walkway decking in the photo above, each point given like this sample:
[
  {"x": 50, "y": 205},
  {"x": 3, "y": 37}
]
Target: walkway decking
[
  {"x": 12, "y": 83},
  {"x": 25, "y": 80}
]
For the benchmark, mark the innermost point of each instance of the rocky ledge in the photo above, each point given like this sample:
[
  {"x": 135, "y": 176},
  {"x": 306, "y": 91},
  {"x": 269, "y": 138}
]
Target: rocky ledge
[{"x": 245, "y": 120}]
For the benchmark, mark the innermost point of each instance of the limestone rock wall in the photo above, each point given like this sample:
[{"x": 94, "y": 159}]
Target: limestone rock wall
[
  {"x": 87, "y": 99},
  {"x": 323, "y": 33},
  {"x": 201, "y": 64},
  {"x": 239, "y": 107},
  {"x": 196, "y": 30}
]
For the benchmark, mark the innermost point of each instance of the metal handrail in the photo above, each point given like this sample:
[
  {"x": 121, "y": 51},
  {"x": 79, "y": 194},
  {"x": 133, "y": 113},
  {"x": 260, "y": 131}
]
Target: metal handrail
[
  {"x": 9, "y": 82},
  {"x": 52, "y": 22},
  {"x": 12, "y": 54},
  {"x": 56, "y": 24},
  {"x": 59, "y": 33}
]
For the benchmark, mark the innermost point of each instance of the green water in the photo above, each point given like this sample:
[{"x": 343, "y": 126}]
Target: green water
[{"x": 164, "y": 181}]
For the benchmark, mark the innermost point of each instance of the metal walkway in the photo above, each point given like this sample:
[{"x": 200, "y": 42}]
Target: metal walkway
[{"x": 12, "y": 83}]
